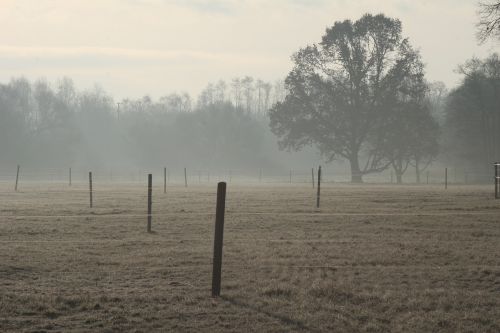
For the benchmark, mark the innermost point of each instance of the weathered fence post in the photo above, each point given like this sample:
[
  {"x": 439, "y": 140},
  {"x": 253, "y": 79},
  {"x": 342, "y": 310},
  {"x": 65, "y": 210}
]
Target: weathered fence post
[
  {"x": 392, "y": 177},
  {"x": 185, "y": 178},
  {"x": 319, "y": 187},
  {"x": 164, "y": 180},
  {"x": 260, "y": 175},
  {"x": 17, "y": 177},
  {"x": 69, "y": 176},
  {"x": 497, "y": 180},
  {"x": 218, "y": 237},
  {"x": 90, "y": 188},
  {"x": 445, "y": 178},
  {"x": 290, "y": 176},
  {"x": 427, "y": 174},
  {"x": 312, "y": 174},
  {"x": 150, "y": 199}
]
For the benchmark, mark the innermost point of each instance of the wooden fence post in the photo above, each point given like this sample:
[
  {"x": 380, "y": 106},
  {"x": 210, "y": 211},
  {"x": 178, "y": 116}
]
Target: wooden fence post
[
  {"x": 427, "y": 174},
  {"x": 185, "y": 178},
  {"x": 17, "y": 177},
  {"x": 497, "y": 180},
  {"x": 218, "y": 238},
  {"x": 312, "y": 174},
  {"x": 260, "y": 175},
  {"x": 164, "y": 180},
  {"x": 150, "y": 199},
  {"x": 69, "y": 176},
  {"x": 90, "y": 188},
  {"x": 319, "y": 187}
]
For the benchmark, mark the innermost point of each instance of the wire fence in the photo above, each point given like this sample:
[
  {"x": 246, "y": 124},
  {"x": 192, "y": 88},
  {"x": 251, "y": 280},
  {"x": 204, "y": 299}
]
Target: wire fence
[
  {"x": 39, "y": 183},
  {"x": 194, "y": 176}
]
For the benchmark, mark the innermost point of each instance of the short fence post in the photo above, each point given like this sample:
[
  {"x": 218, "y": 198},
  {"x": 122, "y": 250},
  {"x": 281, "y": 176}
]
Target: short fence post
[
  {"x": 427, "y": 177},
  {"x": 69, "y": 176},
  {"x": 150, "y": 199},
  {"x": 312, "y": 174},
  {"x": 290, "y": 176},
  {"x": 319, "y": 187},
  {"x": 185, "y": 178},
  {"x": 164, "y": 180},
  {"x": 445, "y": 178},
  {"x": 260, "y": 175},
  {"x": 391, "y": 177},
  {"x": 90, "y": 188},
  {"x": 208, "y": 176},
  {"x": 497, "y": 180},
  {"x": 17, "y": 177},
  {"x": 218, "y": 237}
]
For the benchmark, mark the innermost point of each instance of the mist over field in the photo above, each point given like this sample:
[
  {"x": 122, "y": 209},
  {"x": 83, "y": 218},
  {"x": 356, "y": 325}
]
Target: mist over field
[
  {"x": 249, "y": 166},
  {"x": 58, "y": 93}
]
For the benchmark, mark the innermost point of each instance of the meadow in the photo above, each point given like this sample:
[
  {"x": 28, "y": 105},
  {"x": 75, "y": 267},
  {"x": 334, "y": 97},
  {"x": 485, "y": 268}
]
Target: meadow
[{"x": 372, "y": 258}]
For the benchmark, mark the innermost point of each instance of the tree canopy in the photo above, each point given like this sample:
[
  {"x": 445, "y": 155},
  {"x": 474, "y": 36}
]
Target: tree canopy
[{"x": 473, "y": 114}]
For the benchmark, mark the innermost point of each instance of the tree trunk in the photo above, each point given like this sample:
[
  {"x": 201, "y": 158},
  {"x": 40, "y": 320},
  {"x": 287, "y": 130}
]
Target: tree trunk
[
  {"x": 399, "y": 177},
  {"x": 356, "y": 176}
]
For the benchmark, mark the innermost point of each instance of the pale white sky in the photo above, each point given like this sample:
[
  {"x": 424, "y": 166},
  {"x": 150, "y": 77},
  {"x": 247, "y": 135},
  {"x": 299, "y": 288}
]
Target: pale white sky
[{"x": 137, "y": 47}]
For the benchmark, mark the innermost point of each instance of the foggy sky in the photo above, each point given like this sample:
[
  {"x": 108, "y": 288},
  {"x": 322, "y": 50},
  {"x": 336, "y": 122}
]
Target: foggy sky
[{"x": 138, "y": 47}]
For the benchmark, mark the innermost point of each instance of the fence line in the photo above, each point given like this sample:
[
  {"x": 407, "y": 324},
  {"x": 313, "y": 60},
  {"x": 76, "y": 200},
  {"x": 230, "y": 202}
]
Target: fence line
[
  {"x": 238, "y": 240},
  {"x": 255, "y": 214}
]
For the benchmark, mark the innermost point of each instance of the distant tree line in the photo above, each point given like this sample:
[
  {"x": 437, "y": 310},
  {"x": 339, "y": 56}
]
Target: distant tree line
[{"x": 52, "y": 125}]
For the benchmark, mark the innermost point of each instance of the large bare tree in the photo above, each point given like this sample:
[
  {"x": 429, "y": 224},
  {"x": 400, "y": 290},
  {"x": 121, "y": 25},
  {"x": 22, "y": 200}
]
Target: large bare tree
[
  {"x": 340, "y": 90},
  {"x": 489, "y": 20}
]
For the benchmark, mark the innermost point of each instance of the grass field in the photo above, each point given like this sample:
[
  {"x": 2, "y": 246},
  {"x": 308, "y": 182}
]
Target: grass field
[{"x": 373, "y": 258}]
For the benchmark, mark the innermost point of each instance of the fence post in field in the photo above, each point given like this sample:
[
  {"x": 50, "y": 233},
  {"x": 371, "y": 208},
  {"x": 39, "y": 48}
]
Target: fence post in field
[
  {"x": 17, "y": 177},
  {"x": 164, "y": 180},
  {"x": 69, "y": 176},
  {"x": 260, "y": 175},
  {"x": 312, "y": 174},
  {"x": 445, "y": 178},
  {"x": 391, "y": 177},
  {"x": 319, "y": 187},
  {"x": 427, "y": 173},
  {"x": 185, "y": 178},
  {"x": 90, "y": 188},
  {"x": 290, "y": 176},
  {"x": 208, "y": 176},
  {"x": 218, "y": 237},
  {"x": 150, "y": 199},
  {"x": 497, "y": 180}
]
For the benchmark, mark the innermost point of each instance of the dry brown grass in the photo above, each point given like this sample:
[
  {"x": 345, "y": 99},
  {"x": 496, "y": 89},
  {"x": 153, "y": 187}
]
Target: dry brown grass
[{"x": 372, "y": 259}]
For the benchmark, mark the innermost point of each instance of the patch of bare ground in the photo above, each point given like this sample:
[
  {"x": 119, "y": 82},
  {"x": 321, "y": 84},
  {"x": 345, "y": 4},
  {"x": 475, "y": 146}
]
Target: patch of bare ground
[{"x": 372, "y": 259}]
